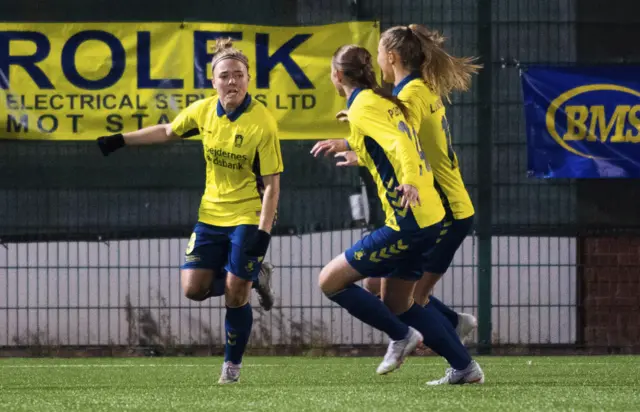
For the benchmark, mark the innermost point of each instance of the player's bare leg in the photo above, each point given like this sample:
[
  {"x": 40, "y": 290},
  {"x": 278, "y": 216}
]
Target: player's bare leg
[{"x": 196, "y": 283}]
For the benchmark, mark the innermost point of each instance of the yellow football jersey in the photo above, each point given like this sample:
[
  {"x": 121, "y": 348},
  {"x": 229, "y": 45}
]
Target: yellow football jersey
[
  {"x": 427, "y": 115},
  {"x": 235, "y": 145},
  {"x": 384, "y": 144}
]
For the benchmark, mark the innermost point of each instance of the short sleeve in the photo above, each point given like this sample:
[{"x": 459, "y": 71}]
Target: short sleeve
[
  {"x": 269, "y": 151},
  {"x": 186, "y": 122}
]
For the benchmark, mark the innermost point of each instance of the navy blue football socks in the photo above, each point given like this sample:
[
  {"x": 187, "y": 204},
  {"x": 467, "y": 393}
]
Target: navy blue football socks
[
  {"x": 237, "y": 324},
  {"x": 370, "y": 310},
  {"x": 448, "y": 313},
  {"x": 438, "y": 334}
]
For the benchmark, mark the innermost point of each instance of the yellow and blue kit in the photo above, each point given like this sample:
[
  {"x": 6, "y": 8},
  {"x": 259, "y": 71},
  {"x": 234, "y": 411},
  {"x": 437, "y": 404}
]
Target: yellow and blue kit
[
  {"x": 239, "y": 147},
  {"x": 429, "y": 122},
  {"x": 382, "y": 139}
]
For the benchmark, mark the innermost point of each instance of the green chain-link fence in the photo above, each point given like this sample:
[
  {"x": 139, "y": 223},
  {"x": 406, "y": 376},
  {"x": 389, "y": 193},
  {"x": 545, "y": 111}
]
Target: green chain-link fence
[{"x": 91, "y": 249}]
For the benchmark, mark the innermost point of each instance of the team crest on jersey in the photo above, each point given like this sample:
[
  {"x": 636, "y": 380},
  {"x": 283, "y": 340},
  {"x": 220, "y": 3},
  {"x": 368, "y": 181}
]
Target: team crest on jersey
[{"x": 238, "y": 140}]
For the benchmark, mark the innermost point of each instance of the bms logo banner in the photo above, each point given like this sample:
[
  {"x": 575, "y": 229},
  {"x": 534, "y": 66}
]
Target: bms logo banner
[{"x": 582, "y": 122}]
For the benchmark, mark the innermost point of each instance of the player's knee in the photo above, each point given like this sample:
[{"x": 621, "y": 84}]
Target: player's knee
[
  {"x": 336, "y": 276},
  {"x": 397, "y": 304},
  {"x": 324, "y": 281},
  {"x": 372, "y": 285},
  {"x": 195, "y": 283},
  {"x": 329, "y": 282},
  {"x": 194, "y": 292}
]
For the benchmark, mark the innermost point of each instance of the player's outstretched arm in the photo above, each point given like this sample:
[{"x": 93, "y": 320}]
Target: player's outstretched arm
[{"x": 160, "y": 133}]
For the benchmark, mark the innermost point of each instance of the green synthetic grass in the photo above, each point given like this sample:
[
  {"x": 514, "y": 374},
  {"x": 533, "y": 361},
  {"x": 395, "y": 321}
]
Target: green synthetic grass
[{"x": 610, "y": 383}]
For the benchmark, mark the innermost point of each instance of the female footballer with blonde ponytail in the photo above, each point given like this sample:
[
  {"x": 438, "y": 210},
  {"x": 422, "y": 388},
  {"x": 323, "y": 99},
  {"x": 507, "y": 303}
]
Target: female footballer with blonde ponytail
[
  {"x": 231, "y": 237},
  {"x": 414, "y": 60}
]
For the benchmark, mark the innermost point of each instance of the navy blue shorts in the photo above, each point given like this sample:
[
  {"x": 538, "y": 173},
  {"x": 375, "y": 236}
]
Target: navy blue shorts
[
  {"x": 386, "y": 252},
  {"x": 453, "y": 233},
  {"x": 222, "y": 249}
]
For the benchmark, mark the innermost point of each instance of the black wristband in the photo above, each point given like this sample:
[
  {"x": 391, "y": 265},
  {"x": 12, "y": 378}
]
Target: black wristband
[
  {"x": 109, "y": 144},
  {"x": 258, "y": 244}
]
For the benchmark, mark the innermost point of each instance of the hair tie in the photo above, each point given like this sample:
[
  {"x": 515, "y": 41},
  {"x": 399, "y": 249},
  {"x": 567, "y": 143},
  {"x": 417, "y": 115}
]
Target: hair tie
[
  {"x": 411, "y": 32},
  {"x": 217, "y": 60}
]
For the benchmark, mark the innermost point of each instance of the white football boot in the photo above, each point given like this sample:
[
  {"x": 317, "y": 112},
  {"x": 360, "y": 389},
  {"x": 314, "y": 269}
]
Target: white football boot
[
  {"x": 263, "y": 287},
  {"x": 466, "y": 324},
  {"x": 230, "y": 373},
  {"x": 472, "y": 374},
  {"x": 398, "y": 350}
]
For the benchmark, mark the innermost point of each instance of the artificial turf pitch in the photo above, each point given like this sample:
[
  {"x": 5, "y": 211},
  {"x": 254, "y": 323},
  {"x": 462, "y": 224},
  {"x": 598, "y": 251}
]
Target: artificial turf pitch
[{"x": 609, "y": 383}]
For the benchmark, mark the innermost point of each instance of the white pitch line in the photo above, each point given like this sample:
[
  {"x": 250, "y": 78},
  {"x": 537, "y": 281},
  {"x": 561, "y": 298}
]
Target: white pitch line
[
  {"x": 145, "y": 365},
  {"x": 264, "y": 365}
]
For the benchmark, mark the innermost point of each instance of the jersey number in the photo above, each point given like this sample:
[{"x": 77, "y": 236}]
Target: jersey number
[
  {"x": 405, "y": 129},
  {"x": 447, "y": 133}
]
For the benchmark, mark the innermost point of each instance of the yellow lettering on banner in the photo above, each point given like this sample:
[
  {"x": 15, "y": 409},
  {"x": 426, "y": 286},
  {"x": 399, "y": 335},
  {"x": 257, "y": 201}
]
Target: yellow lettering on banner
[
  {"x": 630, "y": 136},
  {"x": 622, "y": 126},
  {"x": 576, "y": 122},
  {"x": 591, "y": 122},
  {"x": 599, "y": 121},
  {"x": 77, "y": 81}
]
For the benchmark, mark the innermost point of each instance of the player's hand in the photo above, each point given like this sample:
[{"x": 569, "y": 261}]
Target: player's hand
[
  {"x": 329, "y": 147},
  {"x": 109, "y": 144},
  {"x": 258, "y": 244},
  {"x": 343, "y": 116},
  {"x": 410, "y": 196},
  {"x": 350, "y": 158}
]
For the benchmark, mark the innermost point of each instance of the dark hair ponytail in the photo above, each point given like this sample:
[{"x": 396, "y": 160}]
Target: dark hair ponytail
[{"x": 356, "y": 64}]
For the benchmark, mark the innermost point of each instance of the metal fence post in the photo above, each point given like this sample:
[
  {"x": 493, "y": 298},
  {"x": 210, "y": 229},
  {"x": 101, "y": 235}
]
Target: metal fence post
[{"x": 485, "y": 177}]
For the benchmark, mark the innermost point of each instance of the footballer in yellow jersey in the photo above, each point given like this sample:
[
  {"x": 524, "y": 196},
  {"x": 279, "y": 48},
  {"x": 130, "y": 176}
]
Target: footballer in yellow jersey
[
  {"x": 429, "y": 123},
  {"x": 235, "y": 145},
  {"x": 429, "y": 127},
  {"x": 379, "y": 135},
  {"x": 232, "y": 235},
  {"x": 382, "y": 138},
  {"x": 414, "y": 60}
]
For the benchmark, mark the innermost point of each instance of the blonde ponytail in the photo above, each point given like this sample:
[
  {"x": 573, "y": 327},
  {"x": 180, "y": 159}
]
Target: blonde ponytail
[{"x": 421, "y": 49}]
